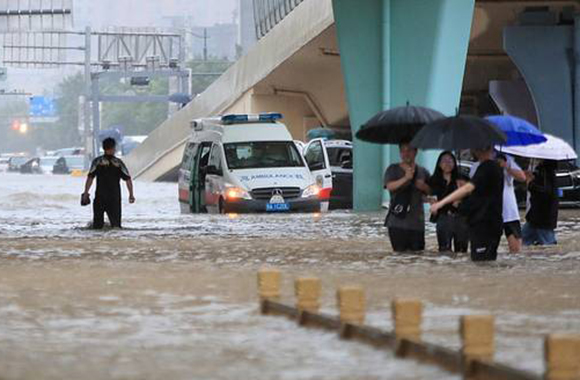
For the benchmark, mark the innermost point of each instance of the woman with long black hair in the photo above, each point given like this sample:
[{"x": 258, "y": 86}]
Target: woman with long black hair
[{"x": 451, "y": 227}]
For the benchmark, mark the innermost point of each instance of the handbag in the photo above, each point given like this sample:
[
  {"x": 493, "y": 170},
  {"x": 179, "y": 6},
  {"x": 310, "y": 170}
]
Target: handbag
[{"x": 400, "y": 204}]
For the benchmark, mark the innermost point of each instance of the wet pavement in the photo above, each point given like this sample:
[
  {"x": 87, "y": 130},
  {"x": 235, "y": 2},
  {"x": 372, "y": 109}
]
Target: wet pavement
[{"x": 173, "y": 296}]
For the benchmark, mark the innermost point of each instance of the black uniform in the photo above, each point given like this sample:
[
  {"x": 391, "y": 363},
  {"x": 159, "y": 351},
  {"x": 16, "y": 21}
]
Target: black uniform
[
  {"x": 484, "y": 211},
  {"x": 109, "y": 170}
]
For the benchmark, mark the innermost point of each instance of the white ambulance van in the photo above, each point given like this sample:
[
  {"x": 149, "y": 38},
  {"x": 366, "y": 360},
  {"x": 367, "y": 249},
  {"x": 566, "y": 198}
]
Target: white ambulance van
[{"x": 245, "y": 163}]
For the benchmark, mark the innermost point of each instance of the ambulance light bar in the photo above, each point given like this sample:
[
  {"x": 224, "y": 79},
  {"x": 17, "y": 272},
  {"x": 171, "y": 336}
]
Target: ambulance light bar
[{"x": 251, "y": 118}]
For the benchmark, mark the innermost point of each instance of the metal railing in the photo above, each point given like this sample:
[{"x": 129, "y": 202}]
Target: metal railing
[{"x": 268, "y": 13}]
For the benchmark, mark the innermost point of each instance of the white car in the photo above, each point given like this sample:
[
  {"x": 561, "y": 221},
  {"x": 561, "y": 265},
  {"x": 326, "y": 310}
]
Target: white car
[{"x": 331, "y": 164}]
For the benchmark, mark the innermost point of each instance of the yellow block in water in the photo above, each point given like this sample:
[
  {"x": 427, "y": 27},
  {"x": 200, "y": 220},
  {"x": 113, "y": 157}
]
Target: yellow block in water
[{"x": 77, "y": 173}]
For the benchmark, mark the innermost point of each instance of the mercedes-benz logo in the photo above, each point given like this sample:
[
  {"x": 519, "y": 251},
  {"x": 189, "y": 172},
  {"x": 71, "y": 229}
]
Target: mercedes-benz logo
[{"x": 277, "y": 192}]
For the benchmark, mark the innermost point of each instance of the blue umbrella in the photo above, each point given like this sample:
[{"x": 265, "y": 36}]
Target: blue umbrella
[{"x": 519, "y": 132}]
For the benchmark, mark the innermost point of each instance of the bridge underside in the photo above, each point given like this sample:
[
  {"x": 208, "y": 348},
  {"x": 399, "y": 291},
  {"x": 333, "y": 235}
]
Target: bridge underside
[
  {"x": 295, "y": 70},
  {"x": 334, "y": 63}
]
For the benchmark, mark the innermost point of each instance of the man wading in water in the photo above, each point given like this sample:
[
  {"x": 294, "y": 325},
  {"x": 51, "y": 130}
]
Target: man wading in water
[
  {"x": 109, "y": 170},
  {"x": 406, "y": 182}
]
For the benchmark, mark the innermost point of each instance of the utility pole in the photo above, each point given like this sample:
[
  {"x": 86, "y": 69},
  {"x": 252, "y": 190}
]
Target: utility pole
[
  {"x": 89, "y": 145},
  {"x": 205, "y": 37}
]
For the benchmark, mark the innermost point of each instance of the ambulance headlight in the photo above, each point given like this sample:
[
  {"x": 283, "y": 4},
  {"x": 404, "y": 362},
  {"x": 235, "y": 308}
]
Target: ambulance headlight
[
  {"x": 311, "y": 191},
  {"x": 236, "y": 193}
]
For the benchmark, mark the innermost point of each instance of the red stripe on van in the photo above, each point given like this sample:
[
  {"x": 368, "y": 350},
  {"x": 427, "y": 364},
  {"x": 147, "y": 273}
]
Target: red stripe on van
[
  {"x": 325, "y": 193},
  {"x": 184, "y": 195}
]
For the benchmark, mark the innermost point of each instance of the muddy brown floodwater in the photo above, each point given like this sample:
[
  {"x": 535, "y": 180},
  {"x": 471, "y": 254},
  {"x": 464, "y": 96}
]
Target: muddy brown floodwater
[{"x": 174, "y": 297}]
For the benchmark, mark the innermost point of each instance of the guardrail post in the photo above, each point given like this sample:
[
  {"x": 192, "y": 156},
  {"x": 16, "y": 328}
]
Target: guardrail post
[
  {"x": 477, "y": 336},
  {"x": 407, "y": 318},
  {"x": 268, "y": 285},
  {"x": 307, "y": 294},
  {"x": 351, "y": 302},
  {"x": 562, "y": 357}
]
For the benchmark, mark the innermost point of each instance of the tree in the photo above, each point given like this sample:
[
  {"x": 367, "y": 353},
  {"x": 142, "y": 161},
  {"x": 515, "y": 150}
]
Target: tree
[
  {"x": 135, "y": 118},
  {"x": 199, "y": 83},
  {"x": 11, "y": 111}
]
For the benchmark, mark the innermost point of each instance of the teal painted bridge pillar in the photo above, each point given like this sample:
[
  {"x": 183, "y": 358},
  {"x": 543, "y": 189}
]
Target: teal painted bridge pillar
[{"x": 394, "y": 52}]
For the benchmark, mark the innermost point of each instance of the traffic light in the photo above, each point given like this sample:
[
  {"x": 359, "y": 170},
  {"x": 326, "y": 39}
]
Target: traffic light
[
  {"x": 20, "y": 126},
  {"x": 140, "y": 81}
]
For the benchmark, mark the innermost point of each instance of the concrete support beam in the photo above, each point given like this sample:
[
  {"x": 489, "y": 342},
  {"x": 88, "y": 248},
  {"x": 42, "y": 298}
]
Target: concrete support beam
[
  {"x": 394, "y": 52},
  {"x": 547, "y": 66}
]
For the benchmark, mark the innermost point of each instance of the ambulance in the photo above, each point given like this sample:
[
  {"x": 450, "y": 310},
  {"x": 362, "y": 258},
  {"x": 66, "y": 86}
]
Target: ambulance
[{"x": 243, "y": 163}]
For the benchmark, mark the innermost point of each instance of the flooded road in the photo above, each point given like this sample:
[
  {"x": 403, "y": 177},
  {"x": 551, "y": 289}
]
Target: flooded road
[{"x": 173, "y": 296}]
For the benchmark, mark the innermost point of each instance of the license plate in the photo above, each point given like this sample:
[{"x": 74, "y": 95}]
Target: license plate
[{"x": 277, "y": 207}]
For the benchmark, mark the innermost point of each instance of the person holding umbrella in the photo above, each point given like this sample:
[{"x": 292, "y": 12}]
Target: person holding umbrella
[
  {"x": 511, "y": 215},
  {"x": 406, "y": 182},
  {"x": 520, "y": 133},
  {"x": 542, "y": 215},
  {"x": 483, "y": 207},
  {"x": 484, "y": 193},
  {"x": 450, "y": 226}
]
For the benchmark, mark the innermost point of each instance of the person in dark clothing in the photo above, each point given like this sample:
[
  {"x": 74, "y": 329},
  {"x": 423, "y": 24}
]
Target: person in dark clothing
[
  {"x": 483, "y": 207},
  {"x": 451, "y": 227},
  {"x": 109, "y": 171},
  {"x": 542, "y": 216},
  {"x": 406, "y": 182}
]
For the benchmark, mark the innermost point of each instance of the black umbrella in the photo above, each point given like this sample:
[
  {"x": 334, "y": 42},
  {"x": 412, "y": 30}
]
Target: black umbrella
[
  {"x": 397, "y": 125},
  {"x": 459, "y": 132}
]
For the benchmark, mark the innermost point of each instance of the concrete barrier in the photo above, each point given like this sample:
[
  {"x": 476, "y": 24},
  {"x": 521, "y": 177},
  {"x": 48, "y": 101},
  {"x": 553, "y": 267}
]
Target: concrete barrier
[
  {"x": 474, "y": 360},
  {"x": 307, "y": 292},
  {"x": 562, "y": 357},
  {"x": 407, "y": 318}
]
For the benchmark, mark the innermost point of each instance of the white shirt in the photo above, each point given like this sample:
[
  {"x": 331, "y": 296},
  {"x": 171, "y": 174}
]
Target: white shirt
[{"x": 510, "y": 210}]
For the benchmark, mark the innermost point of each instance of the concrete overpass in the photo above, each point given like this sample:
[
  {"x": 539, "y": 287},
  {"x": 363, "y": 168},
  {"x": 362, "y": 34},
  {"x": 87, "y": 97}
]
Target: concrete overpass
[
  {"x": 295, "y": 69},
  {"x": 337, "y": 62}
]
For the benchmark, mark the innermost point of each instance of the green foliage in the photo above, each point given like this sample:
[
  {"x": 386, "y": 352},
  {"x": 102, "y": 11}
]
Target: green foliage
[
  {"x": 201, "y": 82},
  {"x": 62, "y": 133},
  {"x": 135, "y": 118},
  {"x": 65, "y": 133},
  {"x": 11, "y": 109}
]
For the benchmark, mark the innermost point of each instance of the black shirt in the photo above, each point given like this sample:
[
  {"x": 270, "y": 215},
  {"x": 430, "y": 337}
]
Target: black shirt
[
  {"x": 415, "y": 218},
  {"x": 487, "y": 198},
  {"x": 543, "y": 212},
  {"x": 441, "y": 189},
  {"x": 109, "y": 170}
]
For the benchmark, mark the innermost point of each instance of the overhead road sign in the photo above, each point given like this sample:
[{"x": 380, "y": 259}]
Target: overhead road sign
[{"x": 41, "y": 106}]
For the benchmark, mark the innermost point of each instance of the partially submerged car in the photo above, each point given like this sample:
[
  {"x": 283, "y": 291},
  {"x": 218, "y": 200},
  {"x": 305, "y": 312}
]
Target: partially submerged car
[
  {"x": 330, "y": 161},
  {"x": 66, "y": 164},
  {"x": 32, "y": 166},
  {"x": 15, "y": 162},
  {"x": 567, "y": 180}
]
